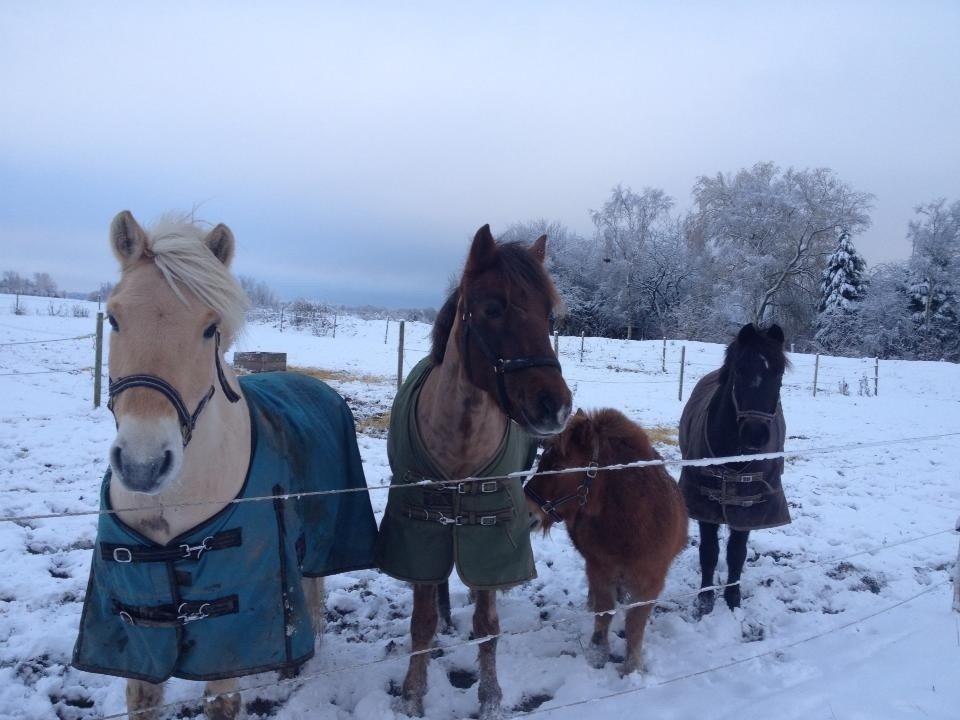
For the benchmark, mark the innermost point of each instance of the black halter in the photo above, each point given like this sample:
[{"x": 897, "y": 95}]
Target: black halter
[
  {"x": 188, "y": 420},
  {"x": 549, "y": 507},
  {"x": 758, "y": 415},
  {"x": 500, "y": 366}
]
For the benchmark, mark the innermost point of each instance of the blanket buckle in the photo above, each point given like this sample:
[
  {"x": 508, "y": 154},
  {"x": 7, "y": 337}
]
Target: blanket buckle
[
  {"x": 188, "y": 550},
  {"x": 188, "y": 617},
  {"x": 122, "y": 555},
  {"x": 444, "y": 520}
]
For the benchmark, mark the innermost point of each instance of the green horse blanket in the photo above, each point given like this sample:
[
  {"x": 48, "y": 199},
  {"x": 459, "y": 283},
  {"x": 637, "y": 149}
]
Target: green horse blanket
[
  {"x": 482, "y": 528},
  {"x": 225, "y": 598}
]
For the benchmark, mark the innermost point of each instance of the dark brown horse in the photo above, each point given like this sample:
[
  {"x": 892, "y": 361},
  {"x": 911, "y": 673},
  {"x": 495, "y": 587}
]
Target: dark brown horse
[
  {"x": 628, "y": 524},
  {"x": 491, "y": 386}
]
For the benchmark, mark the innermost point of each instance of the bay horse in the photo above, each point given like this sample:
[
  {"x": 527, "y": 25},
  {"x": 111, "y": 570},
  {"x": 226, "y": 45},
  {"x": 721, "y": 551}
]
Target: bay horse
[
  {"x": 184, "y": 581},
  {"x": 628, "y": 525},
  {"x": 474, "y": 407},
  {"x": 733, "y": 411}
]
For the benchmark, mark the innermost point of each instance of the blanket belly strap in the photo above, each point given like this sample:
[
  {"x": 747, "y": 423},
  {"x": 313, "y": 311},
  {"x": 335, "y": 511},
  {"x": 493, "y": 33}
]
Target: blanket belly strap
[
  {"x": 165, "y": 616},
  {"x": 460, "y": 487},
  {"x": 729, "y": 476},
  {"x": 719, "y": 496},
  {"x": 112, "y": 552},
  {"x": 485, "y": 519}
]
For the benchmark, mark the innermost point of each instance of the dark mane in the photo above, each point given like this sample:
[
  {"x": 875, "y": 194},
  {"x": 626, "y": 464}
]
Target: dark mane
[
  {"x": 759, "y": 342},
  {"x": 520, "y": 269}
]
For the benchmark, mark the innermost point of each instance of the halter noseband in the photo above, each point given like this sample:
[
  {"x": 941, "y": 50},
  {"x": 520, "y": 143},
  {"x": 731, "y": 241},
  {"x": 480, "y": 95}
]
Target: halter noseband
[
  {"x": 188, "y": 420},
  {"x": 549, "y": 507},
  {"x": 500, "y": 366}
]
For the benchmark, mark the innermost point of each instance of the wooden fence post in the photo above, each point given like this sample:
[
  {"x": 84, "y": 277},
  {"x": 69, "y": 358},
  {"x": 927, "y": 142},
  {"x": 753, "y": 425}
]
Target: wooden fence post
[
  {"x": 956, "y": 575},
  {"x": 281, "y": 318},
  {"x": 876, "y": 376},
  {"x": 386, "y": 332},
  {"x": 683, "y": 361},
  {"x": 556, "y": 343},
  {"x": 816, "y": 373},
  {"x": 98, "y": 361},
  {"x": 663, "y": 364},
  {"x": 400, "y": 357},
  {"x": 334, "y": 325},
  {"x": 583, "y": 334}
]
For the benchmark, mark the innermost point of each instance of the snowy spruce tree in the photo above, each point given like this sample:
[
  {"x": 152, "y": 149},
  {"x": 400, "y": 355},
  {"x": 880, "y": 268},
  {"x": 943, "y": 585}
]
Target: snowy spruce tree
[{"x": 842, "y": 288}]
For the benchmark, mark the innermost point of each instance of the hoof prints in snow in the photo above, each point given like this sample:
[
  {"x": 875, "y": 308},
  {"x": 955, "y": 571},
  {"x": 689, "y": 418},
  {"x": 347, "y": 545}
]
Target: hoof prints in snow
[
  {"x": 532, "y": 702},
  {"x": 462, "y": 678}
]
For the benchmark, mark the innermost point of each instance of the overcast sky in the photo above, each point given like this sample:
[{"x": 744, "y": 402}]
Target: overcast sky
[{"x": 354, "y": 151}]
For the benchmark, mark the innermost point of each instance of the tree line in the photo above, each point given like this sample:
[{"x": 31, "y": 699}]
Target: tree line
[{"x": 763, "y": 244}]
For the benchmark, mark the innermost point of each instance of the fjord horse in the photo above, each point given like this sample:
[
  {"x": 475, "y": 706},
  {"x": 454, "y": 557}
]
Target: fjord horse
[
  {"x": 628, "y": 525},
  {"x": 735, "y": 411},
  {"x": 190, "y": 439},
  {"x": 491, "y": 385}
]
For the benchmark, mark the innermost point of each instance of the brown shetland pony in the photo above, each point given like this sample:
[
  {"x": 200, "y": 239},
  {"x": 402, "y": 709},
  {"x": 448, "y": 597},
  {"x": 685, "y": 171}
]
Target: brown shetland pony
[
  {"x": 502, "y": 303},
  {"x": 628, "y": 524}
]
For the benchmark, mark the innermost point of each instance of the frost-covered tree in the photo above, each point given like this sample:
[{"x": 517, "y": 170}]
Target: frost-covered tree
[
  {"x": 934, "y": 286},
  {"x": 259, "y": 293},
  {"x": 842, "y": 288},
  {"x": 632, "y": 229},
  {"x": 770, "y": 230}
]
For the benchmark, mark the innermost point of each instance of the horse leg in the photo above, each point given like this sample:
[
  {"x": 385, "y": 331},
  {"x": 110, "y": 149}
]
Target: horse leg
[
  {"x": 443, "y": 603},
  {"x": 143, "y": 698},
  {"x": 709, "y": 555},
  {"x": 736, "y": 556},
  {"x": 601, "y": 601},
  {"x": 313, "y": 590},
  {"x": 223, "y": 700},
  {"x": 486, "y": 622},
  {"x": 637, "y": 619},
  {"x": 423, "y": 626}
]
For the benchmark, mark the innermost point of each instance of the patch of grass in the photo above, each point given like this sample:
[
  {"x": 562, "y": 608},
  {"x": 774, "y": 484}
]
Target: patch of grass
[
  {"x": 339, "y": 375},
  {"x": 662, "y": 434},
  {"x": 376, "y": 425}
]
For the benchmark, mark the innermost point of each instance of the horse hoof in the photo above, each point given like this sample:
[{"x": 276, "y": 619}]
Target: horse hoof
[
  {"x": 597, "y": 654},
  {"x": 412, "y": 706},
  {"x": 491, "y": 710},
  {"x": 705, "y": 601},
  {"x": 225, "y": 707},
  {"x": 732, "y": 596}
]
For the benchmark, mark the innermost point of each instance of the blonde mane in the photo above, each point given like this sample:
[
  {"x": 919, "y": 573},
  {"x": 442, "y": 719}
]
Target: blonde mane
[{"x": 175, "y": 244}]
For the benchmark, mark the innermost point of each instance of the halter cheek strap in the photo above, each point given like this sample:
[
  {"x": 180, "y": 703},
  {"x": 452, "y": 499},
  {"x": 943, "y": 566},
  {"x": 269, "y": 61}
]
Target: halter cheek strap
[
  {"x": 549, "y": 507},
  {"x": 187, "y": 420}
]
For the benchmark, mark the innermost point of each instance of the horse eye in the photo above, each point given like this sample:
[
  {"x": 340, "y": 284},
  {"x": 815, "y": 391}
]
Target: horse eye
[
  {"x": 210, "y": 331},
  {"x": 492, "y": 311},
  {"x": 113, "y": 323}
]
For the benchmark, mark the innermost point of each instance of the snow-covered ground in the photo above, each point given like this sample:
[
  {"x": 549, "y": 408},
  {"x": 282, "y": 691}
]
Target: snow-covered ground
[{"x": 824, "y": 632}]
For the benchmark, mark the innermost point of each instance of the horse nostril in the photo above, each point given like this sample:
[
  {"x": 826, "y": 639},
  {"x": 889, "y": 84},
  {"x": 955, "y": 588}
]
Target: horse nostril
[
  {"x": 548, "y": 405},
  {"x": 116, "y": 457},
  {"x": 167, "y": 462}
]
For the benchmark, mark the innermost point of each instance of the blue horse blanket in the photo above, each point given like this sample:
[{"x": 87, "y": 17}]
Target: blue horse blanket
[{"x": 225, "y": 598}]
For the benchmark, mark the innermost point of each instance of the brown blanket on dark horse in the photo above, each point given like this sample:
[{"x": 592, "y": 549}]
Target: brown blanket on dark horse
[{"x": 746, "y": 498}]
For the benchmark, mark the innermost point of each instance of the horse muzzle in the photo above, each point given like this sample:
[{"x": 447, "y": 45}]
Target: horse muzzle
[{"x": 146, "y": 455}]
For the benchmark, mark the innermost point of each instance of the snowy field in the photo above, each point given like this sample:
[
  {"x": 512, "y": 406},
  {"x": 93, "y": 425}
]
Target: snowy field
[{"x": 846, "y": 611}]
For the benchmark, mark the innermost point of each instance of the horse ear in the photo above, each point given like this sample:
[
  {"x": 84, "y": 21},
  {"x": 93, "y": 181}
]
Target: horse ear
[
  {"x": 127, "y": 238},
  {"x": 220, "y": 242},
  {"x": 775, "y": 333},
  {"x": 579, "y": 413},
  {"x": 539, "y": 248},
  {"x": 482, "y": 251},
  {"x": 747, "y": 333}
]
